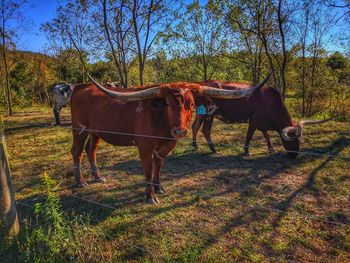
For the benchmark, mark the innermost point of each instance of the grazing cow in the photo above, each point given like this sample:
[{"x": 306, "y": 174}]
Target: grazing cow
[
  {"x": 264, "y": 110},
  {"x": 61, "y": 94},
  {"x": 152, "y": 119}
]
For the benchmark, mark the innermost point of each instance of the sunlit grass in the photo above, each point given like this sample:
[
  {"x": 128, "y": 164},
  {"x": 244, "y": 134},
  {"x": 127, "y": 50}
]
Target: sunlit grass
[{"x": 214, "y": 207}]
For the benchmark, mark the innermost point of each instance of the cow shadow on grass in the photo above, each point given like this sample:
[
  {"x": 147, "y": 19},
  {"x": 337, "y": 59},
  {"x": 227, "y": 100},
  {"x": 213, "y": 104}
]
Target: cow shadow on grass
[
  {"x": 250, "y": 215},
  {"x": 232, "y": 173},
  {"x": 186, "y": 164},
  {"x": 244, "y": 177},
  {"x": 131, "y": 191}
]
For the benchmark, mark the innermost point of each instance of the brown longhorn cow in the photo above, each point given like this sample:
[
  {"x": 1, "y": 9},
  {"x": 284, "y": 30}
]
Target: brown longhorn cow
[
  {"x": 264, "y": 110},
  {"x": 153, "y": 119}
]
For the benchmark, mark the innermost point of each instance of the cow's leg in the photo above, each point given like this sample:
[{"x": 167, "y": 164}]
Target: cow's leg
[
  {"x": 77, "y": 149},
  {"x": 56, "y": 113},
  {"x": 195, "y": 128},
  {"x": 158, "y": 160},
  {"x": 207, "y": 124},
  {"x": 268, "y": 141},
  {"x": 250, "y": 133},
  {"x": 147, "y": 165},
  {"x": 90, "y": 148}
]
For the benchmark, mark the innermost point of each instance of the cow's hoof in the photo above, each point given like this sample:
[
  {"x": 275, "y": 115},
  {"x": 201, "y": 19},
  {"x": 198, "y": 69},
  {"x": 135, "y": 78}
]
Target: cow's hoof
[
  {"x": 247, "y": 156},
  {"x": 271, "y": 150},
  {"x": 213, "y": 152},
  {"x": 159, "y": 190},
  {"x": 157, "y": 200},
  {"x": 153, "y": 201},
  {"x": 100, "y": 180},
  {"x": 81, "y": 185}
]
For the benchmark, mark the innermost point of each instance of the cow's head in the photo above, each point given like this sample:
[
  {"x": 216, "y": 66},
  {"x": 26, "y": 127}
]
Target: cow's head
[
  {"x": 177, "y": 100},
  {"x": 292, "y": 135},
  {"x": 178, "y": 104}
]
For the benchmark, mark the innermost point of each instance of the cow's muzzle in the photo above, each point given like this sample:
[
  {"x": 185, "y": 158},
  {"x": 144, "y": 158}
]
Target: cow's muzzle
[{"x": 178, "y": 133}]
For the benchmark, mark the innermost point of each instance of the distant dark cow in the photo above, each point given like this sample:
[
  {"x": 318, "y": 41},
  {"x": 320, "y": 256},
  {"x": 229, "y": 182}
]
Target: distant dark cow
[
  {"x": 153, "y": 119},
  {"x": 264, "y": 110}
]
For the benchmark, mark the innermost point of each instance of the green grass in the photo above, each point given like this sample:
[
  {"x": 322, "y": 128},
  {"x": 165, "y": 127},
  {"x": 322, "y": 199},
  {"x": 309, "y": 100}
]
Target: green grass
[{"x": 214, "y": 207}]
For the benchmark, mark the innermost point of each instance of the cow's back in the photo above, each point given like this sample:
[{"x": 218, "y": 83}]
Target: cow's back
[
  {"x": 95, "y": 110},
  {"x": 264, "y": 107},
  {"x": 116, "y": 121},
  {"x": 231, "y": 110}
]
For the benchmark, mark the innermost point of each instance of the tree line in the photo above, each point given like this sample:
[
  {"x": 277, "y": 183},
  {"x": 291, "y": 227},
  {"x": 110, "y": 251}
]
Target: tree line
[{"x": 137, "y": 42}]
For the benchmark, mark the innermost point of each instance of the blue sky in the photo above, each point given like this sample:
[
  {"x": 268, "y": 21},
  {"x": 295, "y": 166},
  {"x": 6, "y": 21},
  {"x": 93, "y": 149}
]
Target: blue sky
[{"x": 39, "y": 11}]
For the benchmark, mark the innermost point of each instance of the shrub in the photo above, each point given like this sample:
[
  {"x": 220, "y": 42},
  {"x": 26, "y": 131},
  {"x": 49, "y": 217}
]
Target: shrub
[{"x": 53, "y": 236}]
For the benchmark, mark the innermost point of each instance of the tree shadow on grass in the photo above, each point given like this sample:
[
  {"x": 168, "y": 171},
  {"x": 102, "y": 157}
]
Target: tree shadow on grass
[
  {"x": 237, "y": 176},
  {"x": 251, "y": 215},
  {"x": 36, "y": 125},
  {"x": 334, "y": 149}
]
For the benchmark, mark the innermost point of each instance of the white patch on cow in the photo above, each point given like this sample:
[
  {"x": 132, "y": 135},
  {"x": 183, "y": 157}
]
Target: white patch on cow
[
  {"x": 212, "y": 108},
  {"x": 139, "y": 108},
  {"x": 183, "y": 91}
]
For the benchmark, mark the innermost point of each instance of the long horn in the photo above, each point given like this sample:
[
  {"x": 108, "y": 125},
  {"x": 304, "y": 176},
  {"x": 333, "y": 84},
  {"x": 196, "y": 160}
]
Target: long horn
[
  {"x": 285, "y": 131},
  {"x": 129, "y": 96},
  {"x": 314, "y": 122},
  {"x": 233, "y": 94}
]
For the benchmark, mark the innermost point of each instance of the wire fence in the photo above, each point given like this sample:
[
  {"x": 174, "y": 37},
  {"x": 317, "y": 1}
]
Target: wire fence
[
  {"x": 82, "y": 129},
  {"x": 257, "y": 205}
]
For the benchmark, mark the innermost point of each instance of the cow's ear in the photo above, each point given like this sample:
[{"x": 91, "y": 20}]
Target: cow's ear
[{"x": 158, "y": 103}]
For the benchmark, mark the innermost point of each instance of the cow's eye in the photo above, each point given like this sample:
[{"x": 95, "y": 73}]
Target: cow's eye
[{"x": 159, "y": 103}]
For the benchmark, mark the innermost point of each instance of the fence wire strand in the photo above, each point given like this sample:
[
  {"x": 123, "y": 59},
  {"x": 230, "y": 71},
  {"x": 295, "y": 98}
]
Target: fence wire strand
[
  {"x": 256, "y": 205},
  {"x": 201, "y": 143}
]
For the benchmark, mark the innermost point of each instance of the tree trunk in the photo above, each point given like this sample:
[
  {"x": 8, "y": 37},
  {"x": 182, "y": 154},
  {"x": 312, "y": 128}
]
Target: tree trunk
[
  {"x": 141, "y": 70},
  {"x": 7, "y": 83},
  {"x": 108, "y": 35},
  {"x": 205, "y": 72},
  {"x": 303, "y": 88},
  {"x": 284, "y": 52},
  {"x": 7, "y": 77},
  {"x": 303, "y": 60},
  {"x": 139, "y": 49},
  {"x": 272, "y": 67}
]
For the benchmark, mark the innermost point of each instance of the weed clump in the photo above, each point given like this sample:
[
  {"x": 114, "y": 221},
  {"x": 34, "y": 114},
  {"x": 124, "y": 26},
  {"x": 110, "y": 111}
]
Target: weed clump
[{"x": 52, "y": 236}]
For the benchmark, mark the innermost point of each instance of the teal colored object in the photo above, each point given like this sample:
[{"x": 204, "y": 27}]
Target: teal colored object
[{"x": 201, "y": 110}]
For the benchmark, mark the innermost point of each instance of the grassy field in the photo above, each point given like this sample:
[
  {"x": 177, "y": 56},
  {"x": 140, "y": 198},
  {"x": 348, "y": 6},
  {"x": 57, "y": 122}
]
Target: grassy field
[{"x": 217, "y": 208}]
